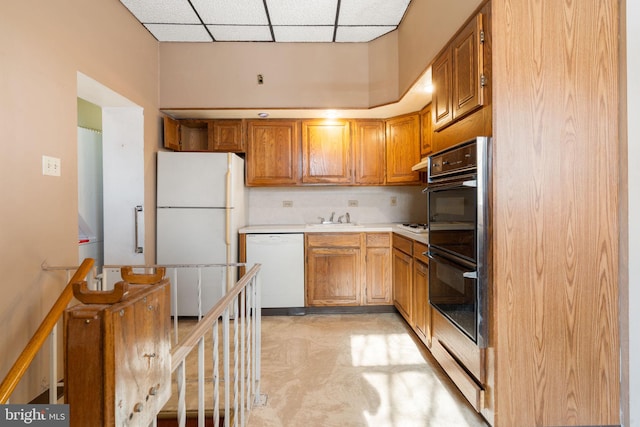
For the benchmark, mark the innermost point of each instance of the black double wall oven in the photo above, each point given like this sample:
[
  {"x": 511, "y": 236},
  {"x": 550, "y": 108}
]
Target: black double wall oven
[{"x": 458, "y": 204}]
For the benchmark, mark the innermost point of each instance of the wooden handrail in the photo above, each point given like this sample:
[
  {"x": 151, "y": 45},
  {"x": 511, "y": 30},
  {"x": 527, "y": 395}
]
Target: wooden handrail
[{"x": 21, "y": 365}]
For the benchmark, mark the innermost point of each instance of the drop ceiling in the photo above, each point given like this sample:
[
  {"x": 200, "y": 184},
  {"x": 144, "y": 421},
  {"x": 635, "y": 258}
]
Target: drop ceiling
[{"x": 340, "y": 21}]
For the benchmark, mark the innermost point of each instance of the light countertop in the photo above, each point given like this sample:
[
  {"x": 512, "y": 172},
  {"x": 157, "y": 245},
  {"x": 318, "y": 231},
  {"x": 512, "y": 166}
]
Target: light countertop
[{"x": 332, "y": 228}]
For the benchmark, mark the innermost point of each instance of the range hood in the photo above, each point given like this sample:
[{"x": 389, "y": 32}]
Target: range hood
[{"x": 422, "y": 165}]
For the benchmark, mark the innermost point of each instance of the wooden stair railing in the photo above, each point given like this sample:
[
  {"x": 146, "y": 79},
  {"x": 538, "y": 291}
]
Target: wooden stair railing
[{"x": 23, "y": 362}]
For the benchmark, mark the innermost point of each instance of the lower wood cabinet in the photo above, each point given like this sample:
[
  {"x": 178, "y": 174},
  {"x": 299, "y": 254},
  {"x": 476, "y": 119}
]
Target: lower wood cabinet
[
  {"x": 402, "y": 283},
  {"x": 421, "y": 308},
  {"x": 333, "y": 269},
  {"x": 411, "y": 285},
  {"x": 377, "y": 271},
  {"x": 348, "y": 269}
]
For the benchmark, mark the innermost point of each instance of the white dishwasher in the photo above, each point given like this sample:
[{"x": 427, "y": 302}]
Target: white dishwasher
[{"x": 282, "y": 272}]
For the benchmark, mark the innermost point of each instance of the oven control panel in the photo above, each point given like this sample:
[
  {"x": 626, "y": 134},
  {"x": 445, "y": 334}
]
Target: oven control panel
[{"x": 456, "y": 160}]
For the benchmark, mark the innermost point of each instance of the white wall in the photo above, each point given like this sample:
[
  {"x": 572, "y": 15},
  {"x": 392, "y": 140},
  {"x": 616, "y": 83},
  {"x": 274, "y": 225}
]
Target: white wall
[{"x": 374, "y": 204}]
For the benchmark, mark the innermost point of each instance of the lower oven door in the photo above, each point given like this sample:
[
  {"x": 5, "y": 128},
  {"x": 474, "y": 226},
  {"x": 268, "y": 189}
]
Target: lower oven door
[{"x": 453, "y": 292}]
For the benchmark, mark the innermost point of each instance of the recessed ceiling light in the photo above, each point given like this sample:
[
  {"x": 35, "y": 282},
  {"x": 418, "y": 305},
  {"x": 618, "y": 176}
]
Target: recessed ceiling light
[
  {"x": 263, "y": 115},
  {"x": 331, "y": 114}
]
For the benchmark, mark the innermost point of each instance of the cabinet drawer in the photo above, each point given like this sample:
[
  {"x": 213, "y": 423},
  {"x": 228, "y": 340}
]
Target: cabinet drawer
[
  {"x": 378, "y": 240},
  {"x": 418, "y": 250},
  {"x": 469, "y": 388},
  {"x": 464, "y": 350},
  {"x": 341, "y": 240},
  {"x": 403, "y": 244}
]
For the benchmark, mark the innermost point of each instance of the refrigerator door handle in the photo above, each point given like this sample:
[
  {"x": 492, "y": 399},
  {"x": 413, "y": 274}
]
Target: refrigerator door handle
[{"x": 139, "y": 231}]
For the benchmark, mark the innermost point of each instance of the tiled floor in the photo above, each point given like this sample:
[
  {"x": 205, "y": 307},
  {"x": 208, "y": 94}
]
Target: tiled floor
[{"x": 353, "y": 370}]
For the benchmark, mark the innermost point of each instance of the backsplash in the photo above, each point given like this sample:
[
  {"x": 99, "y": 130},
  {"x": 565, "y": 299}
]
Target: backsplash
[{"x": 303, "y": 205}]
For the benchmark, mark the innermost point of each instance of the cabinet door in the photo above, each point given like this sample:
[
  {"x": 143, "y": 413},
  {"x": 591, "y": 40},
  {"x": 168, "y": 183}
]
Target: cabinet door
[
  {"x": 402, "y": 283},
  {"x": 369, "y": 143},
  {"x": 226, "y": 136},
  {"x": 333, "y": 276},
  {"x": 426, "y": 131},
  {"x": 421, "y": 308},
  {"x": 467, "y": 69},
  {"x": 273, "y": 152},
  {"x": 377, "y": 278},
  {"x": 403, "y": 149},
  {"x": 326, "y": 152},
  {"x": 171, "y": 134},
  {"x": 441, "y": 98}
]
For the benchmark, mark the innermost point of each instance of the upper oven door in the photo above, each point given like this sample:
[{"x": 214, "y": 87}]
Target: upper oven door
[{"x": 453, "y": 218}]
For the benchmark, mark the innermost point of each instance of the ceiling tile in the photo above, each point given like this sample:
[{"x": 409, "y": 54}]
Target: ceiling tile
[
  {"x": 247, "y": 33},
  {"x": 302, "y": 12},
  {"x": 372, "y": 12},
  {"x": 361, "y": 34},
  {"x": 179, "y": 33},
  {"x": 303, "y": 34},
  {"x": 162, "y": 11},
  {"x": 231, "y": 12}
]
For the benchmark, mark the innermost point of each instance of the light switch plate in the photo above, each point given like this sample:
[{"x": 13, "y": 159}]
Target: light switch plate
[{"x": 50, "y": 166}]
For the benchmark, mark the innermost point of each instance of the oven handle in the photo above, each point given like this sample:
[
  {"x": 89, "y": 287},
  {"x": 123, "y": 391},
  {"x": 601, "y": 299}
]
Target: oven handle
[
  {"x": 473, "y": 183},
  {"x": 473, "y": 274}
]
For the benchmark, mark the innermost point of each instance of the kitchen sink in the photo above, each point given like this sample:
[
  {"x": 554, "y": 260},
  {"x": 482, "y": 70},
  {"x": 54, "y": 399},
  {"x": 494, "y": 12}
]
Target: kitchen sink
[{"x": 334, "y": 224}]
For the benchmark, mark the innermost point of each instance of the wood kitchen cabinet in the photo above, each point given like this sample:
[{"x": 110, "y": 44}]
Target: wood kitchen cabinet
[
  {"x": 186, "y": 135},
  {"x": 403, "y": 276},
  {"x": 457, "y": 75},
  {"x": 377, "y": 270},
  {"x": 369, "y": 151},
  {"x": 326, "y": 152},
  {"x": 203, "y": 135},
  {"x": 333, "y": 269},
  {"x": 426, "y": 131},
  {"x": 273, "y": 148},
  {"x": 348, "y": 269},
  {"x": 411, "y": 285},
  {"x": 421, "y": 308},
  {"x": 402, "y": 149},
  {"x": 226, "y": 136}
]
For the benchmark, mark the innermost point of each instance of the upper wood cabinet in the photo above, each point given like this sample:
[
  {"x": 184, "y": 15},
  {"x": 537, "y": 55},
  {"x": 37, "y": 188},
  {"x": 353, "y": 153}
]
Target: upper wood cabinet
[
  {"x": 326, "y": 152},
  {"x": 273, "y": 152},
  {"x": 203, "y": 135},
  {"x": 226, "y": 136},
  {"x": 402, "y": 149},
  {"x": 426, "y": 131},
  {"x": 186, "y": 135},
  {"x": 457, "y": 75},
  {"x": 441, "y": 98},
  {"x": 369, "y": 153}
]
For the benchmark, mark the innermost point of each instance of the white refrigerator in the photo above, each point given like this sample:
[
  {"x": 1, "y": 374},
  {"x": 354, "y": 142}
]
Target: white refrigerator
[{"x": 201, "y": 204}]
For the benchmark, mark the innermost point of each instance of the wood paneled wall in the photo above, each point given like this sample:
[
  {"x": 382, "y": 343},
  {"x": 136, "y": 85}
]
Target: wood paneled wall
[{"x": 555, "y": 333}]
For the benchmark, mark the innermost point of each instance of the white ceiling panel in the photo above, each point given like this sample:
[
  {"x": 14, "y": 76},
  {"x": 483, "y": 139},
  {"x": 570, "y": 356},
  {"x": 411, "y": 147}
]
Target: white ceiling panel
[
  {"x": 231, "y": 12},
  {"x": 240, "y": 33},
  {"x": 361, "y": 34},
  {"x": 179, "y": 33},
  {"x": 162, "y": 11},
  {"x": 303, "y": 34},
  {"x": 372, "y": 12},
  {"x": 256, "y": 20},
  {"x": 302, "y": 12}
]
